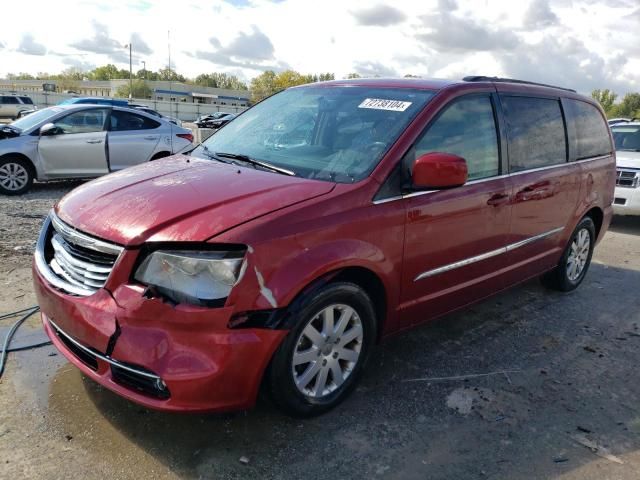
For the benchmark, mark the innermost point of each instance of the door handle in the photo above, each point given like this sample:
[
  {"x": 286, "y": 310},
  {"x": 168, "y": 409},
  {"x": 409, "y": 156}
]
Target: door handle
[
  {"x": 150, "y": 137},
  {"x": 498, "y": 199},
  {"x": 94, "y": 141}
]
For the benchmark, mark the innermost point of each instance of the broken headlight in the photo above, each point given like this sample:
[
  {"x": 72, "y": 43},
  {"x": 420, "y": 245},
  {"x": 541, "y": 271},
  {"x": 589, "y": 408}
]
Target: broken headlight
[{"x": 202, "y": 278}]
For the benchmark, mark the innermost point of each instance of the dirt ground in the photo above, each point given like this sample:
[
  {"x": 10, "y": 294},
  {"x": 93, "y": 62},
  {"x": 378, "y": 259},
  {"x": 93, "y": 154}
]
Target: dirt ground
[{"x": 562, "y": 398}]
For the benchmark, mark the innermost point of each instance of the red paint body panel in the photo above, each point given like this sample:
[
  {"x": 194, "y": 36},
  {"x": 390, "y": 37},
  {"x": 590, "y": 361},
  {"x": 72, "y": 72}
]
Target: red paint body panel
[
  {"x": 179, "y": 199},
  {"x": 298, "y": 231}
]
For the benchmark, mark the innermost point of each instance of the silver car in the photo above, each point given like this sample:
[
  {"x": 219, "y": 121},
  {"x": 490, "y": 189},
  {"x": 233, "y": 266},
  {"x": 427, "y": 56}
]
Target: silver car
[{"x": 82, "y": 141}]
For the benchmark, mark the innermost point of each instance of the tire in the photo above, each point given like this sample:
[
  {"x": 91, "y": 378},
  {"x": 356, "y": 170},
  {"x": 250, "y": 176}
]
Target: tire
[
  {"x": 575, "y": 260},
  {"x": 16, "y": 176},
  {"x": 338, "y": 358}
]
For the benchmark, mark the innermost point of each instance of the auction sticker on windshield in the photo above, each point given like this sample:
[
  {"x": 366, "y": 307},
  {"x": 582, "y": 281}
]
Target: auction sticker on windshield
[{"x": 381, "y": 104}]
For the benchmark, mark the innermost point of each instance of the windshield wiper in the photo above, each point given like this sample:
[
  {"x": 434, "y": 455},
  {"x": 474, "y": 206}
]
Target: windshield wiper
[{"x": 253, "y": 161}]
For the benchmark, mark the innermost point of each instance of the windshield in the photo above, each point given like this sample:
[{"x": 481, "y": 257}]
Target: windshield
[
  {"x": 627, "y": 138},
  {"x": 33, "y": 119},
  {"x": 327, "y": 133}
]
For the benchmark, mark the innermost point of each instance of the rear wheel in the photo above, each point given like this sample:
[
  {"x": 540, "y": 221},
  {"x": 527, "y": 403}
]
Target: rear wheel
[
  {"x": 321, "y": 359},
  {"x": 16, "y": 176},
  {"x": 575, "y": 261}
]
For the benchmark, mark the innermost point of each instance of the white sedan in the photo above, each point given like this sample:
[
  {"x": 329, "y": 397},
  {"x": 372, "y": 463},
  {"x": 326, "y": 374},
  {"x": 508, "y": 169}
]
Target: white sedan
[{"x": 82, "y": 141}]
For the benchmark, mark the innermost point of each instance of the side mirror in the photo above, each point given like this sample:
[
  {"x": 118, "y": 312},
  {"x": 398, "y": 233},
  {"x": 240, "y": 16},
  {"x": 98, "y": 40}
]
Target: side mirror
[
  {"x": 439, "y": 170},
  {"x": 49, "y": 129}
]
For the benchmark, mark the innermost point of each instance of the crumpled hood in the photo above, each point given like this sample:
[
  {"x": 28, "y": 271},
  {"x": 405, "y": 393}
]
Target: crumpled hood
[
  {"x": 180, "y": 199},
  {"x": 627, "y": 159}
]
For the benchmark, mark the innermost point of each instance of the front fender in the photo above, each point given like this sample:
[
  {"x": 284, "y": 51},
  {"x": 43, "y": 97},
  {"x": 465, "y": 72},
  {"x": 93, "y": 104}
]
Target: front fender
[{"x": 271, "y": 281}]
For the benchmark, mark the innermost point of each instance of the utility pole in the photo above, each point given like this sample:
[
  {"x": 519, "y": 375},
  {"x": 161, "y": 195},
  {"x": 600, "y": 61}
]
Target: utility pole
[
  {"x": 144, "y": 70},
  {"x": 130, "y": 72}
]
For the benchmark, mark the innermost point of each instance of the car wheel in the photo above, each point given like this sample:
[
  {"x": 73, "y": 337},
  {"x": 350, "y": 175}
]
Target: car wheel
[
  {"x": 322, "y": 357},
  {"x": 16, "y": 176},
  {"x": 575, "y": 260}
]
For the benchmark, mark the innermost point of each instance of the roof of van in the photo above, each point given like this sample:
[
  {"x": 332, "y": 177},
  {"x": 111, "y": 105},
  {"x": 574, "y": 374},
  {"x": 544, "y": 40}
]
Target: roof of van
[{"x": 438, "y": 84}]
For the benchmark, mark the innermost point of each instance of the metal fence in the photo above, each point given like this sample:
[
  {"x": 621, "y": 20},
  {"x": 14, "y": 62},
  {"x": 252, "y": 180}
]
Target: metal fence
[{"x": 185, "y": 111}]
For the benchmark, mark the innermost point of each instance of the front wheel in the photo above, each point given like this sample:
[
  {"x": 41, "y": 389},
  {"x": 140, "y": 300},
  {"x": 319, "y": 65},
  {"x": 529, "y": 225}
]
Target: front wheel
[
  {"x": 575, "y": 261},
  {"x": 16, "y": 176},
  {"x": 321, "y": 359}
]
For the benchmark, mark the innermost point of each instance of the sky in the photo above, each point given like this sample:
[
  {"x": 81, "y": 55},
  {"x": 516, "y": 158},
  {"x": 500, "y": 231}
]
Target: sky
[{"x": 581, "y": 44}]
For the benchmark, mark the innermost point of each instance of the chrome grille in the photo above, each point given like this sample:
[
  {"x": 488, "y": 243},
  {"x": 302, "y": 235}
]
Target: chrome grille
[
  {"x": 627, "y": 178},
  {"x": 73, "y": 261}
]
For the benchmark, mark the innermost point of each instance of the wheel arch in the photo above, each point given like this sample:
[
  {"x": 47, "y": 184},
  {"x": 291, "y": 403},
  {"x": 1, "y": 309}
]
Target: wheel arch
[
  {"x": 159, "y": 155},
  {"x": 597, "y": 215},
  {"x": 22, "y": 156}
]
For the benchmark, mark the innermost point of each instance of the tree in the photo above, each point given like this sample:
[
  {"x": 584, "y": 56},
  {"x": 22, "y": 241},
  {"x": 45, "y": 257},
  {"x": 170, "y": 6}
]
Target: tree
[
  {"x": 107, "y": 72},
  {"x": 263, "y": 85},
  {"x": 629, "y": 106},
  {"x": 325, "y": 77},
  {"x": 219, "y": 80},
  {"x": 169, "y": 75},
  {"x": 139, "y": 89},
  {"x": 352, "y": 75},
  {"x": 606, "y": 98},
  {"x": 20, "y": 76}
]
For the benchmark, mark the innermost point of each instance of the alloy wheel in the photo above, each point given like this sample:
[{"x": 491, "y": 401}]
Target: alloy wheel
[
  {"x": 327, "y": 351},
  {"x": 13, "y": 176},
  {"x": 579, "y": 254}
]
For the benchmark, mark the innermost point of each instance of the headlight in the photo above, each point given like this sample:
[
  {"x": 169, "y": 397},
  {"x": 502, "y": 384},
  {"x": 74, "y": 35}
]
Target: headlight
[{"x": 197, "y": 277}]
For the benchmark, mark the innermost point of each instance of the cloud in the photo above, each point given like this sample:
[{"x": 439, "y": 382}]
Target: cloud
[
  {"x": 247, "y": 50},
  {"x": 379, "y": 15},
  {"x": 139, "y": 45},
  {"x": 80, "y": 64},
  {"x": 1, "y": 45},
  {"x": 373, "y": 69},
  {"x": 539, "y": 15},
  {"x": 29, "y": 46},
  {"x": 103, "y": 44},
  {"x": 566, "y": 63},
  {"x": 253, "y": 46},
  {"x": 450, "y": 33}
]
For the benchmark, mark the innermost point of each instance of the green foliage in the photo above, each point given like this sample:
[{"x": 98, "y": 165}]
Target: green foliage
[
  {"x": 219, "y": 80},
  {"x": 107, "y": 72},
  {"x": 270, "y": 82},
  {"x": 139, "y": 89},
  {"x": 629, "y": 106},
  {"x": 353, "y": 75},
  {"x": 169, "y": 75}
]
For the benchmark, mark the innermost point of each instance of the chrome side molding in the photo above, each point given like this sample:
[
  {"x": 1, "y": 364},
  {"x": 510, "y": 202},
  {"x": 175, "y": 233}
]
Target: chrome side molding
[{"x": 486, "y": 255}]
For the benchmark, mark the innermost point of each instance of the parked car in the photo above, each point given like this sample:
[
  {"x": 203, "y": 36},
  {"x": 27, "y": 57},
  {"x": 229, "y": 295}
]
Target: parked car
[
  {"x": 627, "y": 142},
  {"x": 155, "y": 113},
  {"x": 206, "y": 121},
  {"x": 15, "y": 106},
  {"x": 82, "y": 141},
  {"x": 114, "y": 102},
  {"x": 616, "y": 121},
  {"x": 184, "y": 286}
]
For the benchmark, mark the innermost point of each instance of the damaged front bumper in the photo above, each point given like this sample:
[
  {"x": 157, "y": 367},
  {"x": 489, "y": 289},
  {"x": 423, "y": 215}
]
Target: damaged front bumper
[{"x": 173, "y": 358}]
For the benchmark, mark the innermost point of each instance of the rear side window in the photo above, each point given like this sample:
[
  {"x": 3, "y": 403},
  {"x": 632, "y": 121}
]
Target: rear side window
[
  {"x": 9, "y": 100},
  {"x": 591, "y": 131},
  {"x": 466, "y": 128},
  {"x": 535, "y": 132},
  {"x": 124, "y": 121}
]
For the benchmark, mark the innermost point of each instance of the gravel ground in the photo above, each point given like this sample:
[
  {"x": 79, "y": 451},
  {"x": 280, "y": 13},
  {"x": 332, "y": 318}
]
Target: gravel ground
[{"x": 561, "y": 399}]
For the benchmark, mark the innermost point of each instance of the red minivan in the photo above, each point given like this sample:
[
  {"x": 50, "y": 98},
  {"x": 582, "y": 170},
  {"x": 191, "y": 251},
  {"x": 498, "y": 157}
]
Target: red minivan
[{"x": 320, "y": 221}]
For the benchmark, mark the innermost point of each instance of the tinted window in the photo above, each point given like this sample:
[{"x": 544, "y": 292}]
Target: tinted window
[
  {"x": 123, "y": 121},
  {"x": 84, "y": 121},
  {"x": 466, "y": 128},
  {"x": 535, "y": 132},
  {"x": 26, "y": 100},
  {"x": 10, "y": 100},
  {"x": 627, "y": 137},
  {"x": 592, "y": 133}
]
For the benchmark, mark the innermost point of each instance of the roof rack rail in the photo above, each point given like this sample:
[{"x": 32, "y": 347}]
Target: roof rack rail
[{"x": 483, "y": 78}]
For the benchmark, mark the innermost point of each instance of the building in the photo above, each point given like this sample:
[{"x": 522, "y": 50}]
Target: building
[{"x": 162, "y": 91}]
